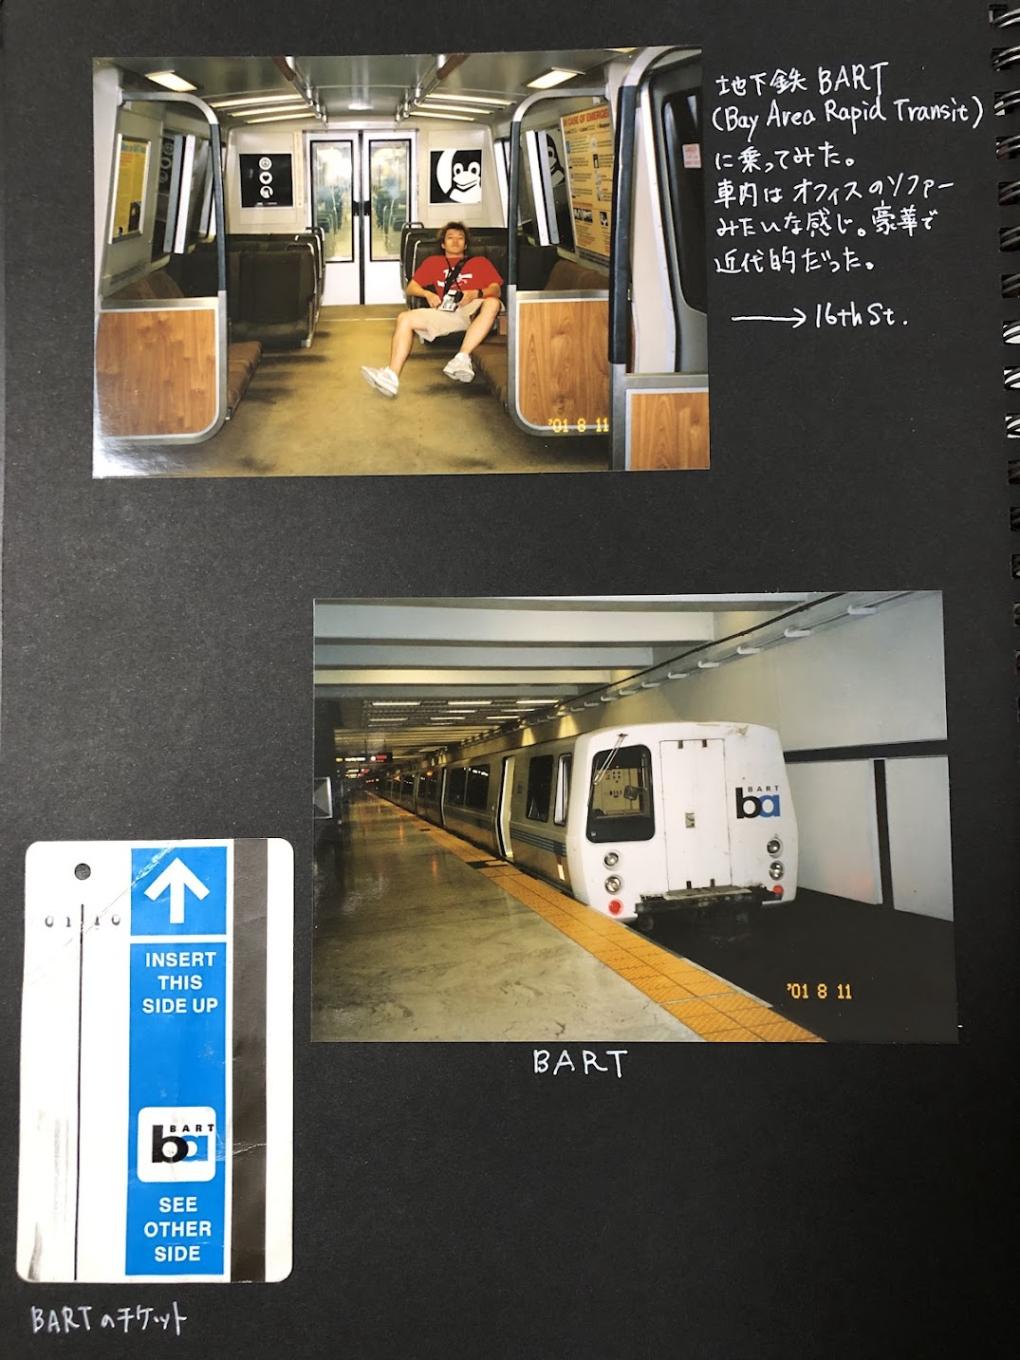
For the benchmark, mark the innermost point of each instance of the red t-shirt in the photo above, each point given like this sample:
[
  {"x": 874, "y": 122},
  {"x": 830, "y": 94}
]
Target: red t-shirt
[{"x": 476, "y": 272}]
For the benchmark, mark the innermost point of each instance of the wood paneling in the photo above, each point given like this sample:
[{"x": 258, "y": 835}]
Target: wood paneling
[
  {"x": 156, "y": 372},
  {"x": 668, "y": 431},
  {"x": 563, "y": 361}
]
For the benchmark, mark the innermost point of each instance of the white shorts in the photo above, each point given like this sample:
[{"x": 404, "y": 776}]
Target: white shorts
[{"x": 431, "y": 321}]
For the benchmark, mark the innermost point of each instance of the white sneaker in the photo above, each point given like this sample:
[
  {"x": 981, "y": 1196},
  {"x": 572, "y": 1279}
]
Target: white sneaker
[
  {"x": 382, "y": 379},
  {"x": 460, "y": 368}
]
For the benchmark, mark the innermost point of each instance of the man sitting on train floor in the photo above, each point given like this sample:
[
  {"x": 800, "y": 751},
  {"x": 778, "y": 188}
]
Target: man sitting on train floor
[{"x": 473, "y": 286}]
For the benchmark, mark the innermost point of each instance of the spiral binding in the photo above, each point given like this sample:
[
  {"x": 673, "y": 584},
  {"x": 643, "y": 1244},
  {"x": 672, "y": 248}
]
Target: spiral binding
[{"x": 1006, "y": 103}]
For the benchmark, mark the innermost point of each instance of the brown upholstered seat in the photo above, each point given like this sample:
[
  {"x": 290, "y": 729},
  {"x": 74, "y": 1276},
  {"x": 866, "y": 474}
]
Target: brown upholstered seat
[
  {"x": 243, "y": 356},
  {"x": 492, "y": 358}
]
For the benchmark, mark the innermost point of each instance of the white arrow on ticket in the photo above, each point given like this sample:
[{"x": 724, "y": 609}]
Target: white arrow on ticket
[{"x": 177, "y": 877}]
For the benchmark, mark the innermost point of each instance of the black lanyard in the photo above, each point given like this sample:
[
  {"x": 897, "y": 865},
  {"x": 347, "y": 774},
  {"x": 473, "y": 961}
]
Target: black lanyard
[{"x": 452, "y": 272}]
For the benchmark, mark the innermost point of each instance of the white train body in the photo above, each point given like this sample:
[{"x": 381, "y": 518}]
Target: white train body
[{"x": 636, "y": 822}]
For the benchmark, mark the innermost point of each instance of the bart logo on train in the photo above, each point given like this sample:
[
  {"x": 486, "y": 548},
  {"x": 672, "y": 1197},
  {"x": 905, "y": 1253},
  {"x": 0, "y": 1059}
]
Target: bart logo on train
[{"x": 750, "y": 805}]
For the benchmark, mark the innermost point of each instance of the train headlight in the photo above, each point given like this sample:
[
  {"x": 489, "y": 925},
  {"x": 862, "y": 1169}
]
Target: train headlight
[
  {"x": 775, "y": 846},
  {"x": 613, "y": 883},
  {"x": 776, "y": 869},
  {"x": 610, "y": 859}
]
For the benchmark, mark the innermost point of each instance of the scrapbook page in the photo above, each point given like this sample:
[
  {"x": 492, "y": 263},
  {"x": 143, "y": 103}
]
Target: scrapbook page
[{"x": 637, "y": 977}]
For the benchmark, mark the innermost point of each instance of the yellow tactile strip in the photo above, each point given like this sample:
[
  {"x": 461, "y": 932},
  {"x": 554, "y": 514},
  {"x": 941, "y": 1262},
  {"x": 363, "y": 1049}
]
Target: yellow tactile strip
[{"x": 713, "y": 1009}]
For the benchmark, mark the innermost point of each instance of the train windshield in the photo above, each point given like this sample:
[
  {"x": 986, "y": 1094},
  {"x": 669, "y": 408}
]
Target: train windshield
[{"x": 620, "y": 795}]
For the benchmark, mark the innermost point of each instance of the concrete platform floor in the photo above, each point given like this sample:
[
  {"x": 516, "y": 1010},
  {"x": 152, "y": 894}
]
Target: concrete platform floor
[
  {"x": 309, "y": 413},
  {"x": 421, "y": 936}
]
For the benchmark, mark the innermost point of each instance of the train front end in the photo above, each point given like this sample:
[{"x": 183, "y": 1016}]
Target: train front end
[{"x": 682, "y": 819}]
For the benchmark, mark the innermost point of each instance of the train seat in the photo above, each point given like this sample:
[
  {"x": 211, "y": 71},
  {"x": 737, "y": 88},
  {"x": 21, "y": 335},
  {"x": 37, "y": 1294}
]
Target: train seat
[
  {"x": 492, "y": 358},
  {"x": 417, "y": 243},
  {"x": 272, "y": 290},
  {"x": 314, "y": 236},
  {"x": 242, "y": 356}
]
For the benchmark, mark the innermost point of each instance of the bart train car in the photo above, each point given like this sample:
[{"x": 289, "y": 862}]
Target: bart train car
[
  {"x": 655, "y": 819},
  {"x": 241, "y": 202}
]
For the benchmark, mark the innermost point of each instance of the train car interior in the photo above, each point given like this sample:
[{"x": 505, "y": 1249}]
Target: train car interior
[
  {"x": 485, "y": 747},
  {"x": 258, "y": 220}
]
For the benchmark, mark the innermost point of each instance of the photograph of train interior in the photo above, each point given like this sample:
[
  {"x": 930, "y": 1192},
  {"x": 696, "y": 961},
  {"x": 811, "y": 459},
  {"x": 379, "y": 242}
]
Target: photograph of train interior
[
  {"x": 667, "y": 818},
  {"x": 259, "y": 222}
]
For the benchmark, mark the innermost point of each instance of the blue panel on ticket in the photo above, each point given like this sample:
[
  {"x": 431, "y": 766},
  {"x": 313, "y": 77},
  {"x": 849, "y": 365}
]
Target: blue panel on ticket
[{"x": 179, "y": 890}]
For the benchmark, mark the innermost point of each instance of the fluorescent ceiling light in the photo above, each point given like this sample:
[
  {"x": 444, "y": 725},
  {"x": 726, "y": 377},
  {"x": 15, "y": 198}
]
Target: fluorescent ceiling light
[
  {"x": 468, "y": 99},
  {"x": 253, "y": 110},
  {"x": 395, "y": 703},
  {"x": 359, "y": 106},
  {"x": 286, "y": 118},
  {"x": 556, "y": 76},
  {"x": 454, "y": 106},
  {"x": 170, "y": 80},
  {"x": 453, "y": 117},
  {"x": 250, "y": 99}
]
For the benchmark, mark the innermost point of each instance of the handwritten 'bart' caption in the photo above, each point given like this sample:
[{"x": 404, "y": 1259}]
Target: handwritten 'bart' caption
[
  {"x": 815, "y": 203},
  {"x": 83, "y": 1317},
  {"x": 586, "y": 1062}
]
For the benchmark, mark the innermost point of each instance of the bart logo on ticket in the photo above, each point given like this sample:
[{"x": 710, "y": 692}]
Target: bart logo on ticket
[{"x": 156, "y": 1062}]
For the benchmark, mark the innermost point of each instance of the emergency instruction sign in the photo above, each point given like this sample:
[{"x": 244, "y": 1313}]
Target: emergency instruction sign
[{"x": 157, "y": 1062}]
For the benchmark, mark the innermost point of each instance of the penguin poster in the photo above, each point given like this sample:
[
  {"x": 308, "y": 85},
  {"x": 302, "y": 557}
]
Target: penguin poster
[{"x": 456, "y": 176}]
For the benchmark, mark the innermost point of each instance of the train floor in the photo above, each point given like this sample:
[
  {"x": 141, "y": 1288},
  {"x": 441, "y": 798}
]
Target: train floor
[
  {"x": 421, "y": 936},
  {"x": 308, "y": 412}
]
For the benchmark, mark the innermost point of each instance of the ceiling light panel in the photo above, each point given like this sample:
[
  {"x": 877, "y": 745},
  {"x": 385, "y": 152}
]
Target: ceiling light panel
[
  {"x": 468, "y": 99},
  {"x": 250, "y": 100},
  {"x": 170, "y": 80},
  {"x": 557, "y": 75}
]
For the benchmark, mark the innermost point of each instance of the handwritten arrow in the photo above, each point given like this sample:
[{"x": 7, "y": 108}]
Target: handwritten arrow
[
  {"x": 177, "y": 877},
  {"x": 797, "y": 320}
]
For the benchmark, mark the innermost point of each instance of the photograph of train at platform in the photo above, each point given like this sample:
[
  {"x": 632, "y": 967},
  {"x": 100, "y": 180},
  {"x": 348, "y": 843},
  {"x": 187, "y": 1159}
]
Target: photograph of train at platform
[
  {"x": 435, "y": 263},
  {"x": 668, "y": 818}
]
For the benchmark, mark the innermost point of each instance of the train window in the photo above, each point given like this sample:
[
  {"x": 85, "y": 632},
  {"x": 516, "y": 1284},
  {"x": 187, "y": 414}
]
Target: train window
[
  {"x": 476, "y": 793},
  {"x": 427, "y": 786},
  {"x": 540, "y": 776},
  {"x": 563, "y": 789},
  {"x": 195, "y": 209},
  {"x": 333, "y": 191},
  {"x": 620, "y": 795},
  {"x": 455, "y": 784},
  {"x": 407, "y": 785},
  {"x": 169, "y": 169},
  {"x": 680, "y": 130},
  {"x": 389, "y": 169},
  {"x": 502, "y": 149}
]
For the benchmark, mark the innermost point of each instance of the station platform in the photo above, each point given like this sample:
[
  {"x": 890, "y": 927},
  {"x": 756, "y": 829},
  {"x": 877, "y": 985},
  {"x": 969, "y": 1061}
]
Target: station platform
[{"x": 420, "y": 936}]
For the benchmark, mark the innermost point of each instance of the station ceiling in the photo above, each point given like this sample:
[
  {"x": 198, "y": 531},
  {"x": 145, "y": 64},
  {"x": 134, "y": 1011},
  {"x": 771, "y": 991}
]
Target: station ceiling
[{"x": 411, "y": 676}]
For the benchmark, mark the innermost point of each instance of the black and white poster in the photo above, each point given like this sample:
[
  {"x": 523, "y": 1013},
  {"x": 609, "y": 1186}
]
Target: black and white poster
[
  {"x": 456, "y": 176},
  {"x": 266, "y": 181}
]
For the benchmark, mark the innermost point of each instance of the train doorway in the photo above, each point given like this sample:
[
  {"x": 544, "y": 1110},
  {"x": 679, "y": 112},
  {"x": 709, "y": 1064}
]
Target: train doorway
[
  {"x": 361, "y": 191},
  {"x": 697, "y": 830},
  {"x": 506, "y": 789}
]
